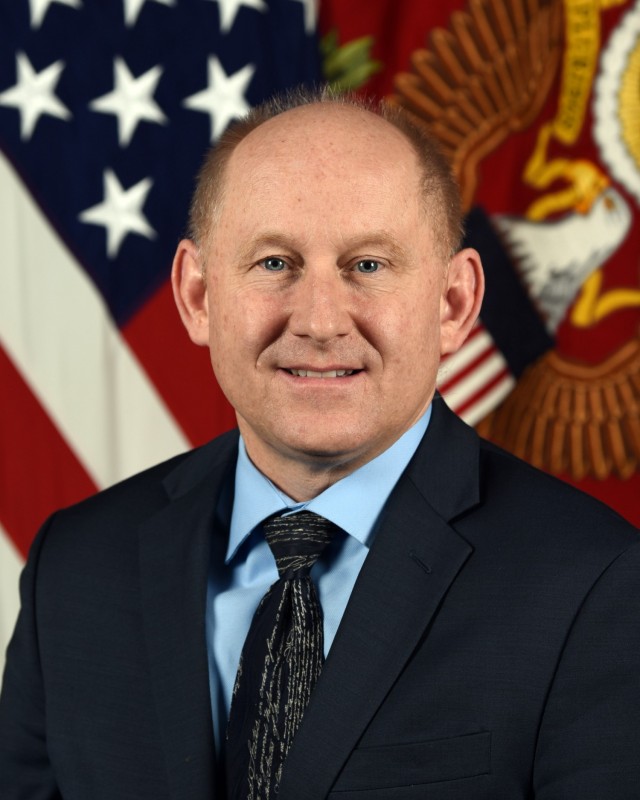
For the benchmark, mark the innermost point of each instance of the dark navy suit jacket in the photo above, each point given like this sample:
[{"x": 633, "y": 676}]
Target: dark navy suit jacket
[{"x": 490, "y": 648}]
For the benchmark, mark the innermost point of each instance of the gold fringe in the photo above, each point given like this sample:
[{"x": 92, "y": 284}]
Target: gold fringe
[{"x": 572, "y": 418}]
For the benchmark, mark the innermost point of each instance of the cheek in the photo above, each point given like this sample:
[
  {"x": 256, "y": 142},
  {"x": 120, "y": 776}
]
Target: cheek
[
  {"x": 242, "y": 325},
  {"x": 406, "y": 330}
]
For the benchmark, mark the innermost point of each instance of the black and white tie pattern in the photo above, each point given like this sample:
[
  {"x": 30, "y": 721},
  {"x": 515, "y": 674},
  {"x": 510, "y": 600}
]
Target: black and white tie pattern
[{"x": 280, "y": 662}]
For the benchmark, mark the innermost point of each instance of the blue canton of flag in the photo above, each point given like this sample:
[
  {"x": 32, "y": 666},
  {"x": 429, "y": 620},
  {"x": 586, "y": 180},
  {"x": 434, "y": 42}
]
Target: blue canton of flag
[{"x": 106, "y": 110}]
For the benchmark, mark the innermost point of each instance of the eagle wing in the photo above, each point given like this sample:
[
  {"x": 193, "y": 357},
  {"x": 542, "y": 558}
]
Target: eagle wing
[
  {"x": 574, "y": 419},
  {"x": 484, "y": 77}
]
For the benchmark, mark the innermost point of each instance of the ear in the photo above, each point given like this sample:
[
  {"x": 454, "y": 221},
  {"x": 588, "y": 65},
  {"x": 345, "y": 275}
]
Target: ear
[
  {"x": 190, "y": 291},
  {"x": 461, "y": 299}
]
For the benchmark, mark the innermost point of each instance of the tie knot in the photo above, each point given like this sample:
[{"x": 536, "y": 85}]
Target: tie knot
[{"x": 297, "y": 541}]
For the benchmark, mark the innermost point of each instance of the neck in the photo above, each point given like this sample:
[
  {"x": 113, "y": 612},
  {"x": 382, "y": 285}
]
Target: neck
[
  {"x": 304, "y": 486},
  {"x": 299, "y": 481}
]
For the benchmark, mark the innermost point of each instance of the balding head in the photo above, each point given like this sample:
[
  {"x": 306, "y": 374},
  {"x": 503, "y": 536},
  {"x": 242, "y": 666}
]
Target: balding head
[{"x": 368, "y": 124}]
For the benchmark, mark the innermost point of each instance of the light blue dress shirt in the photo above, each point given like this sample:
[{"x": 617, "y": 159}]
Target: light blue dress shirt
[{"x": 237, "y": 585}]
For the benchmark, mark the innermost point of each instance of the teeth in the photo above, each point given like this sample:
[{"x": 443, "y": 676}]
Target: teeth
[{"x": 332, "y": 373}]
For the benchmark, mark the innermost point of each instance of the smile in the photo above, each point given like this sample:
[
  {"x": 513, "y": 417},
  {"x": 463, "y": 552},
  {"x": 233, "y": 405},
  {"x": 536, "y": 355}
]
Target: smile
[{"x": 332, "y": 373}]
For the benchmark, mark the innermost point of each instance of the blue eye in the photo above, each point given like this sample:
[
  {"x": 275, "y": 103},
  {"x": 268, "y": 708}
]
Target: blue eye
[
  {"x": 367, "y": 265},
  {"x": 274, "y": 264}
]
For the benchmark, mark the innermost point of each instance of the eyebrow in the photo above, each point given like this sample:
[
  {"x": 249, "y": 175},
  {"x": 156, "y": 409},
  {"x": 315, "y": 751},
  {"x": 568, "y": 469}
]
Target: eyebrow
[
  {"x": 269, "y": 239},
  {"x": 376, "y": 239}
]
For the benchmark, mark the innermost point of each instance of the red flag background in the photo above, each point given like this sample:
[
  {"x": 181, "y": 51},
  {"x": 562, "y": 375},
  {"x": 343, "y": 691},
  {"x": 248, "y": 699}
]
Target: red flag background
[{"x": 536, "y": 103}]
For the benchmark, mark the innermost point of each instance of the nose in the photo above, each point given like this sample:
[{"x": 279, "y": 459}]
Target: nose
[{"x": 321, "y": 306}]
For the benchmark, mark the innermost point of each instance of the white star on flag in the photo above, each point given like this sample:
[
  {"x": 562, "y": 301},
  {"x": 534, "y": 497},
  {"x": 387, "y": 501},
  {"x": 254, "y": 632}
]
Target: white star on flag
[
  {"x": 223, "y": 99},
  {"x": 33, "y": 94},
  {"x": 120, "y": 212},
  {"x": 132, "y": 9},
  {"x": 39, "y": 9},
  {"x": 229, "y": 8},
  {"x": 131, "y": 100},
  {"x": 310, "y": 14}
]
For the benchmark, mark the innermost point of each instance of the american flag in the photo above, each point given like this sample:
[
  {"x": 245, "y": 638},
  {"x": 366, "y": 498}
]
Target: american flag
[{"x": 106, "y": 109}]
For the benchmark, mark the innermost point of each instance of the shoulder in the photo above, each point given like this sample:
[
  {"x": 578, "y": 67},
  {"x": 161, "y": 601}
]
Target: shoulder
[
  {"x": 502, "y": 473},
  {"x": 113, "y": 514},
  {"x": 540, "y": 545},
  {"x": 465, "y": 477},
  {"x": 544, "y": 516}
]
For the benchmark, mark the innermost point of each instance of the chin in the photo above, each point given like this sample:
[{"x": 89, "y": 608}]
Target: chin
[{"x": 314, "y": 440}]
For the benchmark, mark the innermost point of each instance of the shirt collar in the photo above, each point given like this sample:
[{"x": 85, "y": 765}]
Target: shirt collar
[{"x": 352, "y": 503}]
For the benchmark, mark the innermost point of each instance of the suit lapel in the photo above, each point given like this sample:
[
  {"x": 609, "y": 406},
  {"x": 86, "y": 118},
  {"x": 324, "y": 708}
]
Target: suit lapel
[
  {"x": 174, "y": 549},
  {"x": 414, "y": 559}
]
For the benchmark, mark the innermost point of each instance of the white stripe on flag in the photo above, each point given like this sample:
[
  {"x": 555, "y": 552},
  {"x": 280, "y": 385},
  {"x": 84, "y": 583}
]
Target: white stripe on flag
[
  {"x": 10, "y": 566},
  {"x": 55, "y": 326}
]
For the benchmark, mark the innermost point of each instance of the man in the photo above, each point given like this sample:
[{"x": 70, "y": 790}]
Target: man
[{"x": 480, "y": 619}]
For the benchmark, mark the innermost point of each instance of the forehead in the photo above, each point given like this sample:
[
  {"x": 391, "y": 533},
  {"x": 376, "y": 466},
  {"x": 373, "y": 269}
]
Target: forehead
[{"x": 320, "y": 143}]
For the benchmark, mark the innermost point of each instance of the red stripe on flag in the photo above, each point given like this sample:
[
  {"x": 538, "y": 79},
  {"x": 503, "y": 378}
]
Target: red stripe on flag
[
  {"x": 485, "y": 389},
  {"x": 38, "y": 471},
  {"x": 180, "y": 371}
]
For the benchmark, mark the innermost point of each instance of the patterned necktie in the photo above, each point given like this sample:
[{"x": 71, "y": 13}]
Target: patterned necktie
[{"x": 280, "y": 662}]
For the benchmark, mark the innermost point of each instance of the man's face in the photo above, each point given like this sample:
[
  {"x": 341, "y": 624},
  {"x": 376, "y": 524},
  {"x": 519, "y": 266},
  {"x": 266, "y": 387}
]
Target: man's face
[{"x": 323, "y": 293}]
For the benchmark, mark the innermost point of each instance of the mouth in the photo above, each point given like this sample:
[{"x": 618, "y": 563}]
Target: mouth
[{"x": 331, "y": 373}]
